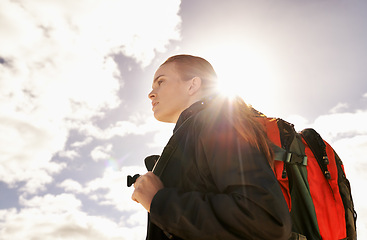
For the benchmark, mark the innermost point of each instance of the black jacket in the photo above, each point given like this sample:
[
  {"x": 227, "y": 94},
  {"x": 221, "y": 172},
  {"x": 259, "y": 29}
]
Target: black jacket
[{"x": 216, "y": 185}]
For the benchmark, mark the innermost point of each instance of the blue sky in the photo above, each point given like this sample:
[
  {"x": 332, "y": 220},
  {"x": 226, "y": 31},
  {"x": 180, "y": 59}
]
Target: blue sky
[{"x": 75, "y": 118}]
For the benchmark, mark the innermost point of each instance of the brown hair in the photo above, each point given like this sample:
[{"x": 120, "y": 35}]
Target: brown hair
[
  {"x": 192, "y": 66},
  {"x": 243, "y": 117},
  {"x": 245, "y": 120}
]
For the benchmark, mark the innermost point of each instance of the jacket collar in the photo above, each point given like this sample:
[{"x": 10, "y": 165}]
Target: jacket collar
[{"x": 192, "y": 110}]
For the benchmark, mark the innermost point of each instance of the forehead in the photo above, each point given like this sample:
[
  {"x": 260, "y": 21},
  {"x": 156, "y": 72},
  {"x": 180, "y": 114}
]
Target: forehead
[{"x": 168, "y": 68}]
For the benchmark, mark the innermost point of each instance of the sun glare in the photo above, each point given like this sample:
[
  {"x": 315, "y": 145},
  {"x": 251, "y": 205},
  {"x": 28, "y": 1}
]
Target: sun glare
[{"x": 245, "y": 73}]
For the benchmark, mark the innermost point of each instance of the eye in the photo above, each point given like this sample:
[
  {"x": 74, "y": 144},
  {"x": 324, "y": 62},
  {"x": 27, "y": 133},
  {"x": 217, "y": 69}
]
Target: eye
[{"x": 160, "y": 82}]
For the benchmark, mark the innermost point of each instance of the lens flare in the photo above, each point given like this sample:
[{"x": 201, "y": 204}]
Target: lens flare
[
  {"x": 246, "y": 71},
  {"x": 116, "y": 164}
]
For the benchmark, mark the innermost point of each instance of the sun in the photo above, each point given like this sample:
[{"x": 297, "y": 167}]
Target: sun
[{"x": 246, "y": 73}]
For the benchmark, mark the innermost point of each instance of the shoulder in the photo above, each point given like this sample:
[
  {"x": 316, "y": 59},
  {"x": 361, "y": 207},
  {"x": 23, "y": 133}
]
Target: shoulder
[
  {"x": 213, "y": 119},
  {"x": 217, "y": 111}
]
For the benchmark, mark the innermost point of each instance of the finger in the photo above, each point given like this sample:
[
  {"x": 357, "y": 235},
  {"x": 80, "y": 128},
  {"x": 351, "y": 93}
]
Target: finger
[
  {"x": 150, "y": 174},
  {"x": 136, "y": 182},
  {"x": 134, "y": 198}
]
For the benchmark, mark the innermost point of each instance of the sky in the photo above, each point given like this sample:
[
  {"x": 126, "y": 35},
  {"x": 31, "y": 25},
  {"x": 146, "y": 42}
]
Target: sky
[{"x": 75, "y": 118}]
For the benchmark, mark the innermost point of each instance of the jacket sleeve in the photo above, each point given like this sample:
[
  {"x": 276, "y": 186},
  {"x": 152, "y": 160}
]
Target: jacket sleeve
[{"x": 244, "y": 201}]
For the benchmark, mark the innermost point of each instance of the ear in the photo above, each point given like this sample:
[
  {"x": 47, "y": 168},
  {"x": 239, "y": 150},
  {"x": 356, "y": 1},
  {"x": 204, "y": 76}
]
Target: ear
[{"x": 195, "y": 84}]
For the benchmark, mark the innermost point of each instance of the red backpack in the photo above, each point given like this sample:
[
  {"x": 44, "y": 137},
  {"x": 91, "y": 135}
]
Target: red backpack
[{"x": 313, "y": 181}]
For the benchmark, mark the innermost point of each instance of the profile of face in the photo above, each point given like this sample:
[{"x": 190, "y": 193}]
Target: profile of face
[{"x": 171, "y": 94}]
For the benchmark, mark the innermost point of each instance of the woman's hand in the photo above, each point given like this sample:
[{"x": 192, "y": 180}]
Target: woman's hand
[{"x": 146, "y": 186}]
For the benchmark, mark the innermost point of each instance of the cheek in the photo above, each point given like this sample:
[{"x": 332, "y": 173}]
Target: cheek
[{"x": 169, "y": 94}]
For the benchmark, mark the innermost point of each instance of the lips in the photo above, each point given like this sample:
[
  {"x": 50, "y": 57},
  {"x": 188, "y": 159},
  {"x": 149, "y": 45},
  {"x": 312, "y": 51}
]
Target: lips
[{"x": 154, "y": 104}]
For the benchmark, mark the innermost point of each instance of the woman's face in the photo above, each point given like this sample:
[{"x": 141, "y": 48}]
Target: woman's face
[{"x": 170, "y": 94}]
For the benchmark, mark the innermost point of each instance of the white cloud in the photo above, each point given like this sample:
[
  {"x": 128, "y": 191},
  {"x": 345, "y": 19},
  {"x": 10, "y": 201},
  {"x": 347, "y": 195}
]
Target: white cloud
[
  {"x": 136, "y": 125},
  {"x": 51, "y": 203},
  {"x": 299, "y": 122},
  {"x": 79, "y": 144},
  {"x": 59, "y": 217},
  {"x": 26, "y": 150},
  {"x": 339, "y": 125},
  {"x": 136, "y": 219},
  {"x": 37, "y": 177},
  {"x": 101, "y": 152},
  {"x": 161, "y": 137},
  {"x": 57, "y": 72},
  {"x": 71, "y": 154},
  {"x": 339, "y": 108},
  {"x": 70, "y": 185},
  {"x": 118, "y": 194},
  {"x": 110, "y": 189}
]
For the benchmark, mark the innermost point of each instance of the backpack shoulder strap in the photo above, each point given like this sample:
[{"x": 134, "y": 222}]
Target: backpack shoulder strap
[
  {"x": 293, "y": 148},
  {"x": 346, "y": 195},
  {"x": 318, "y": 148},
  {"x": 303, "y": 214}
]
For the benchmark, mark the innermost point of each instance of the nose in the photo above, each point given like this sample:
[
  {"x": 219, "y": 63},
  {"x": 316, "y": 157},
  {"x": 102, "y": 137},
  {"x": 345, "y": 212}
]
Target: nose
[{"x": 151, "y": 95}]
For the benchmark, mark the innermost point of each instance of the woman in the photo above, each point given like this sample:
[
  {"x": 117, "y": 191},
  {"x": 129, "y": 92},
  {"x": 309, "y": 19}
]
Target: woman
[{"x": 218, "y": 182}]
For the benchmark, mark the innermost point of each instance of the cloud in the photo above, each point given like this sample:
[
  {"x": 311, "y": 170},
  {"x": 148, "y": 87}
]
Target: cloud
[
  {"x": 60, "y": 217},
  {"x": 110, "y": 189},
  {"x": 339, "y": 108},
  {"x": 135, "y": 125},
  {"x": 298, "y": 121},
  {"x": 26, "y": 150},
  {"x": 57, "y": 72},
  {"x": 79, "y": 144},
  {"x": 101, "y": 152},
  {"x": 339, "y": 125},
  {"x": 74, "y": 151},
  {"x": 71, "y": 154},
  {"x": 70, "y": 185}
]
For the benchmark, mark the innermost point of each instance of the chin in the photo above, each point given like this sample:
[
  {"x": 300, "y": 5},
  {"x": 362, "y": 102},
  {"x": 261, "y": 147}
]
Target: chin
[
  {"x": 159, "y": 117},
  {"x": 163, "y": 118}
]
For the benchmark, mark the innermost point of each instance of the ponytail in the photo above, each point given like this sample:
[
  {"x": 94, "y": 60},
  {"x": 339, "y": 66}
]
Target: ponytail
[{"x": 244, "y": 120}]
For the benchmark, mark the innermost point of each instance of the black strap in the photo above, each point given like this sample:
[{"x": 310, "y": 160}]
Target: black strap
[
  {"x": 150, "y": 161},
  {"x": 318, "y": 148},
  {"x": 293, "y": 149},
  {"x": 287, "y": 133},
  {"x": 346, "y": 195},
  {"x": 303, "y": 214}
]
